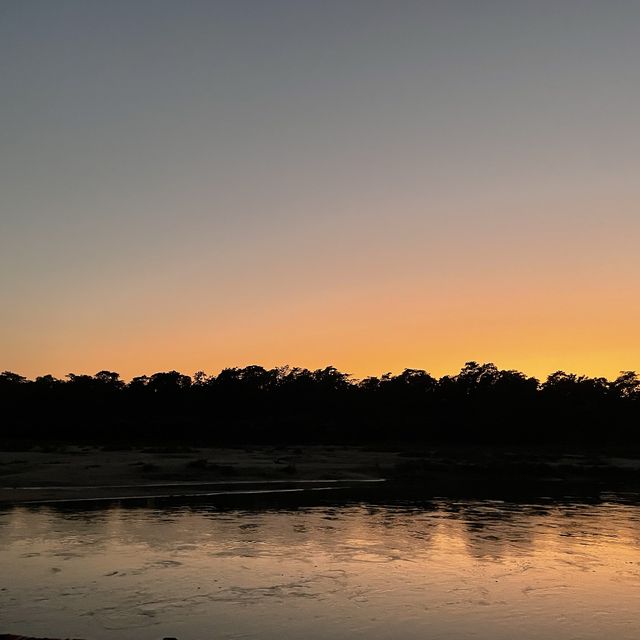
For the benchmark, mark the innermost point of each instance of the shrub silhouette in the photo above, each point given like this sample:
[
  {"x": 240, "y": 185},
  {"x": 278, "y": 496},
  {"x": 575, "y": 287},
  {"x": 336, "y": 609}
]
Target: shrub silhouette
[{"x": 480, "y": 404}]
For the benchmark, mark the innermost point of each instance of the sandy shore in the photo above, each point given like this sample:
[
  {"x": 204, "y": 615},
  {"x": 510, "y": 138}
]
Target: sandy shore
[
  {"x": 85, "y": 472},
  {"x": 71, "y": 473}
]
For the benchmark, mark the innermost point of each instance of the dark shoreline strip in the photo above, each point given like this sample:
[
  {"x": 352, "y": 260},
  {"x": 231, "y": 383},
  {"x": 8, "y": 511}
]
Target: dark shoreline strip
[
  {"x": 173, "y": 496},
  {"x": 187, "y": 483}
]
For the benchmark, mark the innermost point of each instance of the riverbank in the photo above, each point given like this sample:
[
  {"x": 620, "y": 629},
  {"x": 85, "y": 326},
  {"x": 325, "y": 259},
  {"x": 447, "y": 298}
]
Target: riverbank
[
  {"x": 56, "y": 473},
  {"x": 75, "y": 472}
]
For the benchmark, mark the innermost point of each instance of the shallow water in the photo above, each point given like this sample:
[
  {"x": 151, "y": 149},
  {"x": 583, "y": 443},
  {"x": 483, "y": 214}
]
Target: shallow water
[{"x": 446, "y": 569}]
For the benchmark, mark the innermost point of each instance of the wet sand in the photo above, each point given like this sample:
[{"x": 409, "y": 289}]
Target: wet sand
[{"x": 73, "y": 473}]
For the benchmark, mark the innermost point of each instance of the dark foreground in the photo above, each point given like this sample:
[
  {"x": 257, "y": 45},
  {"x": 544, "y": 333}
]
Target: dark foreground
[{"x": 74, "y": 473}]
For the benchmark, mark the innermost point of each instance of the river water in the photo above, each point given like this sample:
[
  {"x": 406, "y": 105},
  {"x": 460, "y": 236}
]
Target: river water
[{"x": 441, "y": 569}]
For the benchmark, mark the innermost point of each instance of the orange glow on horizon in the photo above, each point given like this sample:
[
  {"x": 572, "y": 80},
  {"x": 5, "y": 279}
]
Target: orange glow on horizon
[
  {"x": 370, "y": 190},
  {"x": 536, "y": 331}
]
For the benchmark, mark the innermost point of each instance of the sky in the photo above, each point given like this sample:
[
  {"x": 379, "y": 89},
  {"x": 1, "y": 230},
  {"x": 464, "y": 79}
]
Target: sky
[{"x": 371, "y": 185}]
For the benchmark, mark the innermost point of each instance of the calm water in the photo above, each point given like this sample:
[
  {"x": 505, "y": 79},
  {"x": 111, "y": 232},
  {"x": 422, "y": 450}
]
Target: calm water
[{"x": 445, "y": 570}]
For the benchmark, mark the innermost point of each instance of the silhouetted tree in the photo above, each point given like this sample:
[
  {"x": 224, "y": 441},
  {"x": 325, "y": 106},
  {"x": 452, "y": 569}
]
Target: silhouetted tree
[{"x": 481, "y": 403}]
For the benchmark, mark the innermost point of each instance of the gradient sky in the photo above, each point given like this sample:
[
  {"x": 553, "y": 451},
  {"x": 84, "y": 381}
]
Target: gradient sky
[{"x": 373, "y": 185}]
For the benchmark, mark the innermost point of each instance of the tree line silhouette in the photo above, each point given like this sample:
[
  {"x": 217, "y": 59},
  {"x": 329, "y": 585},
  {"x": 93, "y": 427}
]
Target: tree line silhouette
[{"x": 480, "y": 404}]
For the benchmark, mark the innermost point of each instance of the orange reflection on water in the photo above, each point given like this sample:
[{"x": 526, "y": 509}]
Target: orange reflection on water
[{"x": 447, "y": 570}]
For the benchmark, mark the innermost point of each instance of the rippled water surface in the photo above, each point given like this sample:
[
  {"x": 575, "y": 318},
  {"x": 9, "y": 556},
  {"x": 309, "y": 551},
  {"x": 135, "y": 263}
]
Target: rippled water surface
[{"x": 442, "y": 570}]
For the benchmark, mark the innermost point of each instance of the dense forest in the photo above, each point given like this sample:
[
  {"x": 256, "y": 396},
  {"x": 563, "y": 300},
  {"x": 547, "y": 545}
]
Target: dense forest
[{"x": 481, "y": 404}]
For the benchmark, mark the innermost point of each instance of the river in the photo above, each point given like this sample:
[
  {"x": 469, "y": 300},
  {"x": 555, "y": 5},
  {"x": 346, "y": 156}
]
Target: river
[{"x": 433, "y": 569}]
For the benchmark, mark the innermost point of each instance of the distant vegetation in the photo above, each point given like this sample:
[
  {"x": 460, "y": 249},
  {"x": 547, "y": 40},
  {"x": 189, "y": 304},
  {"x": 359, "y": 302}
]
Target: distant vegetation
[{"x": 481, "y": 404}]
